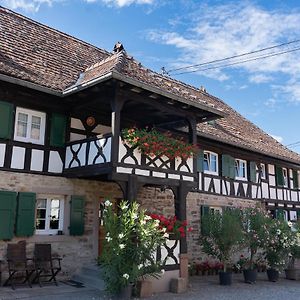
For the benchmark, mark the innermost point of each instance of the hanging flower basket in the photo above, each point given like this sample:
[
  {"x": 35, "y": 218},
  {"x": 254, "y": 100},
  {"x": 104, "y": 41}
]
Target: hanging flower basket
[{"x": 154, "y": 143}]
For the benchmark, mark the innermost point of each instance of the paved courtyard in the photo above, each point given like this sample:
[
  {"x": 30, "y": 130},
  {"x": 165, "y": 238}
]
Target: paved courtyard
[{"x": 204, "y": 288}]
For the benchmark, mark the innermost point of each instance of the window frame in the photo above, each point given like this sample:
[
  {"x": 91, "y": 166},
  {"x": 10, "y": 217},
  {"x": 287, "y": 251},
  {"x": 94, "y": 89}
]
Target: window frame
[
  {"x": 285, "y": 178},
  {"x": 47, "y": 230},
  {"x": 210, "y": 153},
  {"x": 263, "y": 175},
  {"x": 31, "y": 113},
  {"x": 236, "y": 176}
]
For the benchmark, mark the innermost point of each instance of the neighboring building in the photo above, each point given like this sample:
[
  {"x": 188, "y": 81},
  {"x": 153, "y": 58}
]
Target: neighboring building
[{"x": 63, "y": 104}]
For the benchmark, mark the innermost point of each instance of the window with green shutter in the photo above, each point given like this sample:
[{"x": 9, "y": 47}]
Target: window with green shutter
[
  {"x": 279, "y": 176},
  {"x": 25, "y": 214},
  {"x": 8, "y": 201},
  {"x": 228, "y": 164},
  {"x": 295, "y": 179},
  {"x": 6, "y": 120},
  {"x": 253, "y": 171},
  {"x": 279, "y": 214},
  {"x": 58, "y": 130},
  {"x": 200, "y": 159},
  {"x": 77, "y": 215}
]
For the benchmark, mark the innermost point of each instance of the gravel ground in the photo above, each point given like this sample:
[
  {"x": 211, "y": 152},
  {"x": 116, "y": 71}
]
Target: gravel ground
[{"x": 201, "y": 288}]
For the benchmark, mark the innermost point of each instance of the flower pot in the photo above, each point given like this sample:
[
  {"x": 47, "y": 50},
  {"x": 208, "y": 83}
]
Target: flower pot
[
  {"x": 273, "y": 275},
  {"x": 144, "y": 288},
  {"x": 291, "y": 274},
  {"x": 250, "y": 275},
  {"x": 225, "y": 278},
  {"x": 125, "y": 293}
]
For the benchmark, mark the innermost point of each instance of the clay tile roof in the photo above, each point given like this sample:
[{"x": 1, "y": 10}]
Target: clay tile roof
[
  {"x": 39, "y": 54},
  {"x": 49, "y": 58}
]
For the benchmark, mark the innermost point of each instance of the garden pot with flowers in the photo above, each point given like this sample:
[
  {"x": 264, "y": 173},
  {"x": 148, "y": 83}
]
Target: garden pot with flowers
[
  {"x": 223, "y": 237},
  {"x": 278, "y": 242},
  {"x": 154, "y": 143},
  {"x": 129, "y": 252},
  {"x": 291, "y": 272},
  {"x": 254, "y": 223}
]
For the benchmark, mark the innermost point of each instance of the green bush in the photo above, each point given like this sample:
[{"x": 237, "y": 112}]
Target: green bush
[
  {"x": 131, "y": 242},
  {"x": 224, "y": 234}
]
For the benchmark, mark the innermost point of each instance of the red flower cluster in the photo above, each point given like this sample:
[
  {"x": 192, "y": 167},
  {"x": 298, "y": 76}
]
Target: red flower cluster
[
  {"x": 154, "y": 143},
  {"x": 172, "y": 225}
]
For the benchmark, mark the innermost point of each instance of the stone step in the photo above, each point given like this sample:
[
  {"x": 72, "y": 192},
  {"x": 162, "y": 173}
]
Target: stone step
[{"x": 90, "y": 281}]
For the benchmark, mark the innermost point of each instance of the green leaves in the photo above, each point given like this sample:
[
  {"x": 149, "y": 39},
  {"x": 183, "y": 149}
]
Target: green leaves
[
  {"x": 132, "y": 238},
  {"x": 224, "y": 234}
]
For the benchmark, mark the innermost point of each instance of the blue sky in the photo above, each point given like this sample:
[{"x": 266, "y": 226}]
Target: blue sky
[{"x": 176, "y": 33}]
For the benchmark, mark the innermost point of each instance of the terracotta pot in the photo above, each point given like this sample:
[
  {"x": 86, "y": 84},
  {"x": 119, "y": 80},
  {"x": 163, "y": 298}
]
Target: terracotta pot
[{"x": 144, "y": 288}]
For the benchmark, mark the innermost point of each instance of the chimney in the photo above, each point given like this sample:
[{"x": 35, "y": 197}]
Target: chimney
[
  {"x": 202, "y": 89},
  {"x": 118, "y": 47}
]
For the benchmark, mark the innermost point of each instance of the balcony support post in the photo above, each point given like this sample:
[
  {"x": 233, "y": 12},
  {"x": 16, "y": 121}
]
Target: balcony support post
[
  {"x": 193, "y": 139},
  {"x": 116, "y": 107},
  {"x": 180, "y": 194}
]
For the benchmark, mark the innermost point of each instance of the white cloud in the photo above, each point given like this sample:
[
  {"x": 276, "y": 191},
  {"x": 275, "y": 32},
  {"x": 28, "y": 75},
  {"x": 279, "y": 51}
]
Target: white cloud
[
  {"x": 122, "y": 3},
  {"x": 271, "y": 103},
  {"x": 26, "y": 5},
  {"x": 220, "y": 31},
  {"x": 260, "y": 78},
  {"x": 277, "y": 138}
]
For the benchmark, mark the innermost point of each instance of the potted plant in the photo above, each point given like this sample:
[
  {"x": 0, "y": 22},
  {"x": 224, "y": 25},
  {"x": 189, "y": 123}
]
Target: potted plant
[
  {"x": 154, "y": 143},
  {"x": 223, "y": 237},
  {"x": 254, "y": 232},
  {"x": 291, "y": 272},
  {"x": 278, "y": 242},
  {"x": 129, "y": 252}
]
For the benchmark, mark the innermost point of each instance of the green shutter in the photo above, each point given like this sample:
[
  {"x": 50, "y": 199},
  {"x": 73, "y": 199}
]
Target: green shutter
[
  {"x": 25, "y": 214},
  {"x": 77, "y": 215},
  {"x": 279, "y": 176},
  {"x": 58, "y": 130},
  {"x": 6, "y": 120},
  {"x": 279, "y": 214},
  {"x": 295, "y": 179},
  {"x": 200, "y": 160},
  {"x": 298, "y": 215},
  {"x": 228, "y": 166},
  {"x": 8, "y": 201},
  {"x": 204, "y": 212},
  {"x": 253, "y": 171}
]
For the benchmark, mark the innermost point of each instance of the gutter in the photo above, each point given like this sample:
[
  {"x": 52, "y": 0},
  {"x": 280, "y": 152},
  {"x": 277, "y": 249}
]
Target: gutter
[{"x": 30, "y": 85}]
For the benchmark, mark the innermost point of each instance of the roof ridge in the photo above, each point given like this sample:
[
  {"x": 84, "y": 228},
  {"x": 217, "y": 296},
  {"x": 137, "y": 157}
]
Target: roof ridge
[
  {"x": 176, "y": 81},
  {"x": 7, "y": 10}
]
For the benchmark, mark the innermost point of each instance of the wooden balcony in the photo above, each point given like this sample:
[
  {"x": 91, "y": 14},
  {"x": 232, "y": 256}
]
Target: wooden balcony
[{"x": 92, "y": 157}]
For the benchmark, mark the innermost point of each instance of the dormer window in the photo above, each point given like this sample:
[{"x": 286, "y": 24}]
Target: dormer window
[
  {"x": 240, "y": 169},
  {"x": 30, "y": 126},
  {"x": 210, "y": 162}
]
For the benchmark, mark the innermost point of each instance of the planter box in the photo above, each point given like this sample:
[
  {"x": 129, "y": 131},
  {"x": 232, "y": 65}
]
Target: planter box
[
  {"x": 292, "y": 274},
  {"x": 144, "y": 288}
]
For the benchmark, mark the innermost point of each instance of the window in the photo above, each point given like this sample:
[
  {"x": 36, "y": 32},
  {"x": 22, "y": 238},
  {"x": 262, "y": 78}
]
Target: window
[
  {"x": 240, "y": 169},
  {"x": 263, "y": 171},
  {"x": 30, "y": 126},
  {"x": 285, "y": 177},
  {"x": 49, "y": 215},
  {"x": 210, "y": 162}
]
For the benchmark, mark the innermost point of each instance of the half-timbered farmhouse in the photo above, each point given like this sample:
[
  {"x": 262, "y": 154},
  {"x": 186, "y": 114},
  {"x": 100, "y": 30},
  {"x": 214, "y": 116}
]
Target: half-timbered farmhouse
[{"x": 63, "y": 105}]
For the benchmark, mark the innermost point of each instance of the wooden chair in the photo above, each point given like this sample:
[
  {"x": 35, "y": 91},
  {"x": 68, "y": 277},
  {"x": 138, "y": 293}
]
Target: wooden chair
[
  {"x": 45, "y": 265},
  {"x": 18, "y": 267}
]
